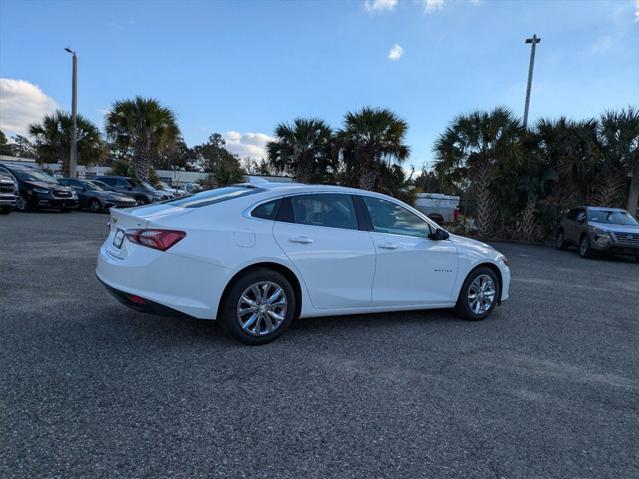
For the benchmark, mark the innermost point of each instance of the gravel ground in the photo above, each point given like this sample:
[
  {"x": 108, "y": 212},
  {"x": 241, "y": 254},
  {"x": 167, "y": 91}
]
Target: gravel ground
[{"x": 547, "y": 387}]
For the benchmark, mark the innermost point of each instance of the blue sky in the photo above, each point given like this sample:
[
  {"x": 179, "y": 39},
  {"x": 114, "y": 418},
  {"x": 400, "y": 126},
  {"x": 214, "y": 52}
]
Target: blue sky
[{"x": 241, "y": 67}]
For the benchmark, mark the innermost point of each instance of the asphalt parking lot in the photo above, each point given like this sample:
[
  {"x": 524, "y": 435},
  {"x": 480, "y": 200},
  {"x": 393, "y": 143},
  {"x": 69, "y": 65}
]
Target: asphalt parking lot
[{"x": 546, "y": 387}]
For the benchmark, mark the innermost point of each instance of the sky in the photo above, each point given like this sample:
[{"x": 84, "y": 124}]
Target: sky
[{"x": 242, "y": 67}]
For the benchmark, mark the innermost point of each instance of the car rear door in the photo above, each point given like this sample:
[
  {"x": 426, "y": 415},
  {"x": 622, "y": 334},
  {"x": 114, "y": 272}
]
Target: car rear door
[
  {"x": 320, "y": 235},
  {"x": 411, "y": 269}
]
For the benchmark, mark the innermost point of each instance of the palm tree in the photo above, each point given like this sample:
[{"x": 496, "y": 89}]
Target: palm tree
[
  {"x": 619, "y": 139},
  {"x": 371, "y": 139},
  {"x": 476, "y": 146},
  {"x": 302, "y": 148},
  {"x": 141, "y": 129},
  {"x": 53, "y": 140}
]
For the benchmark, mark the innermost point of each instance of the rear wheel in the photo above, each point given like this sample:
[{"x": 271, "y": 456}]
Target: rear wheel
[
  {"x": 584, "y": 247},
  {"x": 479, "y": 294},
  {"x": 259, "y": 307},
  {"x": 560, "y": 241}
]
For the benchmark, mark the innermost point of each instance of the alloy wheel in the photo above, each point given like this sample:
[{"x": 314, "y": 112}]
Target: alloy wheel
[
  {"x": 21, "y": 203},
  {"x": 481, "y": 294},
  {"x": 94, "y": 205},
  {"x": 262, "y": 308}
]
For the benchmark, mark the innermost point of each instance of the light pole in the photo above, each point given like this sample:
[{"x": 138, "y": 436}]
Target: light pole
[
  {"x": 534, "y": 41},
  {"x": 73, "y": 163}
]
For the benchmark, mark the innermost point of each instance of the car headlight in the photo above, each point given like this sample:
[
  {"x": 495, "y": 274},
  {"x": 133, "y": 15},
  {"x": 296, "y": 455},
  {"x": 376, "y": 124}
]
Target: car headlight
[
  {"x": 74, "y": 195},
  {"x": 42, "y": 191},
  {"x": 601, "y": 236}
]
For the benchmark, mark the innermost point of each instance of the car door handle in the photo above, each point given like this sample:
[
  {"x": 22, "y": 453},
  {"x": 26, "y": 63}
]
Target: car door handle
[
  {"x": 301, "y": 239},
  {"x": 388, "y": 246}
]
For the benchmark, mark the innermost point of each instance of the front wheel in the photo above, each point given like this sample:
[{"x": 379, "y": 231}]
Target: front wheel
[
  {"x": 22, "y": 203},
  {"x": 258, "y": 308},
  {"x": 479, "y": 294},
  {"x": 95, "y": 206},
  {"x": 584, "y": 248}
]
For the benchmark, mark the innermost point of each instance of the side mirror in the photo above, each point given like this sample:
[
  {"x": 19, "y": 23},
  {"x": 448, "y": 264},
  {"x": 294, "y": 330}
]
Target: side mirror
[{"x": 439, "y": 235}]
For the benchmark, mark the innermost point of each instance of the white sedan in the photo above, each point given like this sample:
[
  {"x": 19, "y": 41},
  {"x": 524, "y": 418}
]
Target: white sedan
[{"x": 257, "y": 256}]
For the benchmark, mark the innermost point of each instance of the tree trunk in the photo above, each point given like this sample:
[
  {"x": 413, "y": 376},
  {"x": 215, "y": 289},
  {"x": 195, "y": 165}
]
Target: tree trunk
[
  {"x": 304, "y": 172},
  {"x": 527, "y": 226},
  {"x": 633, "y": 196},
  {"x": 141, "y": 168},
  {"x": 486, "y": 204},
  {"x": 367, "y": 178}
]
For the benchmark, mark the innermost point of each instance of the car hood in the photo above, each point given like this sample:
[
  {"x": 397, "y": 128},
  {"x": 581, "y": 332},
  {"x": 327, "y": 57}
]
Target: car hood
[
  {"x": 110, "y": 195},
  {"x": 48, "y": 186},
  {"x": 475, "y": 246},
  {"x": 615, "y": 228}
]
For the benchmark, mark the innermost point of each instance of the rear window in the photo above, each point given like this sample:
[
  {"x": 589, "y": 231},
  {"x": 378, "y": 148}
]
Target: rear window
[{"x": 213, "y": 196}]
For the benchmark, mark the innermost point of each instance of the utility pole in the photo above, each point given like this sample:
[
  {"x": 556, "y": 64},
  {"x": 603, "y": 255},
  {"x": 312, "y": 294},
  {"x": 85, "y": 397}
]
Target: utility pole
[
  {"x": 534, "y": 41},
  {"x": 73, "y": 163}
]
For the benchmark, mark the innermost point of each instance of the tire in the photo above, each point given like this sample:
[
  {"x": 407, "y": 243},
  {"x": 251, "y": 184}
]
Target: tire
[
  {"x": 95, "y": 206},
  {"x": 248, "y": 290},
  {"x": 480, "y": 282},
  {"x": 5, "y": 210},
  {"x": 22, "y": 203},
  {"x": 141, "y": 200},
  {"x": 584, "y": 247},
  {"x": 560, "y": 241}
]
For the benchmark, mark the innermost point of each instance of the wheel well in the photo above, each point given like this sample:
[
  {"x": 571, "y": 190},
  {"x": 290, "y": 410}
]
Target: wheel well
[
  {"x": 495, "y": 270},
  {"x": 283, "y": 270}
]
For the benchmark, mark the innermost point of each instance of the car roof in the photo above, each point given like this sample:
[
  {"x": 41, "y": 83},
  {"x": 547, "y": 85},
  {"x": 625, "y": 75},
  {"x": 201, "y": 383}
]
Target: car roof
[
  {"x": 602, "y": 208},
  {"x": 306, "y": 188}
]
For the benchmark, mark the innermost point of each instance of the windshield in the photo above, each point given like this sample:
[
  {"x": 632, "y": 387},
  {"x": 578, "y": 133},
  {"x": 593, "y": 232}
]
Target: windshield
[
  {"x": 29, "y": 174},
  {"x": 90, "y": 186},
  {"x": 141, "y": 184},
  {"x": 101, "y": 185},
  {"x": 213, "y": 196},
  {"x": 611, "y": 217}
]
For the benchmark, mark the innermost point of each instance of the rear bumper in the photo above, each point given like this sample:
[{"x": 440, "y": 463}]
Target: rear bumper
[
  {"x": 162, "y": 279},
  {"x": 139, "y": 304}
]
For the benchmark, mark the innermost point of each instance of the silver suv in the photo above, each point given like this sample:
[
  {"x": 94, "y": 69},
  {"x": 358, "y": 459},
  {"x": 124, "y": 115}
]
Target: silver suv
[
  {"x": 7, "y": 194},
  {"x": 594, "y": 229}
]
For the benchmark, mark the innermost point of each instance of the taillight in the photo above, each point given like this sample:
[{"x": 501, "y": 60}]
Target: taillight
[
  {"x": 456, "y": 214},
  {"x": 156, "y": 239}
]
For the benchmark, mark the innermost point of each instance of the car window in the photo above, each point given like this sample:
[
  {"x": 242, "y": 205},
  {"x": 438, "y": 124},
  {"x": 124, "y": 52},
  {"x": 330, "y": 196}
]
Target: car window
[
  {"x": 614, "y": 217},
  {"x": 572, "y": 214},
  {"x": 581, "y": 215},
  {"x": 265, "y": 211},
  {"x": 122, "y": 184},
  {"x": 325, "y": 209},
  {"x": 108, "y": 181},
  {"x": 388, "y": 217}
]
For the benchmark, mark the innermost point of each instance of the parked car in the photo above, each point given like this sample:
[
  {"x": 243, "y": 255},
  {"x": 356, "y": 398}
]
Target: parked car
[
  {"x": 140, "y": 190},
  {"x": 8, "y": 193},
  {"x": 281, "y": 250},
  {"x": 174, "y": 192},
  {"x": 438, "y": 207},
  {"x": 594, "y": 229},
  {"x": 39, "y": 190},
  {"x": 94, "y": 198}
]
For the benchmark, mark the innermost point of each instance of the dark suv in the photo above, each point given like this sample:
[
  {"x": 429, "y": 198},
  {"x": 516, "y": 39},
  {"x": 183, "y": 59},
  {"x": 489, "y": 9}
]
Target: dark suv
[
  {"x": 38, "y": 190},
  {"x": 141, "y": 191},
  {"x": 597, "y": 229},
  {"x": 8, "y": 193}
]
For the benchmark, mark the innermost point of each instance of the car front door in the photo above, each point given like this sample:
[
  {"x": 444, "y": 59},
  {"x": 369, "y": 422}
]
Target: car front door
[
  {"x": 411, "y": 268},
  {"x": 320, "y": 234}
]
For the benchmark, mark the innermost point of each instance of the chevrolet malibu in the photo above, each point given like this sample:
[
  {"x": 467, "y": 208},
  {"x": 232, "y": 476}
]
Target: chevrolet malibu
[{"x": 257, "y": 256}]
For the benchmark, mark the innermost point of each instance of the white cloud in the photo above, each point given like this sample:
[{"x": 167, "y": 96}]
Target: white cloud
[
  {"x": 637, "y": 11},
  {"x": 395, "y": 53},
  {"x": 431, "y": 6},
  {"x": 247, "y": 145},
  {"x": 378, "y": 6},
  {"x": 22, "y": 103}
]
